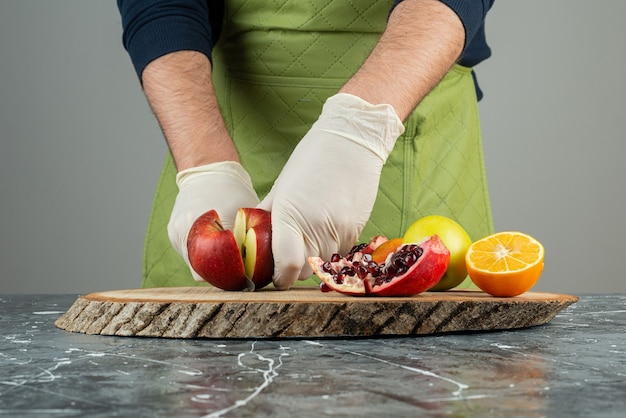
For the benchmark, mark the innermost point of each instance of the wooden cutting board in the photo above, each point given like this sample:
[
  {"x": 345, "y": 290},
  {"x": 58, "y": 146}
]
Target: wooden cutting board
[{"x": 206, "y": 312}]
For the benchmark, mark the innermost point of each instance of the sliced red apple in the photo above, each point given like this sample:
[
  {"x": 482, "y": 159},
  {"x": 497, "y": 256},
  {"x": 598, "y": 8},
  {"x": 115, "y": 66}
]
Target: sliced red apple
[
  {"x": 214, "y": 254},
  {"x": 233, "y": 260}
]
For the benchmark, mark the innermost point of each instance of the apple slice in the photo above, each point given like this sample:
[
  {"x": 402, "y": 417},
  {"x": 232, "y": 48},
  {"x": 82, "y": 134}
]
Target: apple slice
[{"x": 253, "y": 233}]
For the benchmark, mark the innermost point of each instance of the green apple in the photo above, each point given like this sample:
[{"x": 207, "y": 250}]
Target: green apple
[{"x": 454, "y": 237}]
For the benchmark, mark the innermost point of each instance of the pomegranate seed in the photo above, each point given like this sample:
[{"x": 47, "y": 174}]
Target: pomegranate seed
[
  {"x": 338, "y": 278},
  {"x": 361, "y": 272},
  {"x": 325, "y": 288},
  {"x": 348, "y": 271}
]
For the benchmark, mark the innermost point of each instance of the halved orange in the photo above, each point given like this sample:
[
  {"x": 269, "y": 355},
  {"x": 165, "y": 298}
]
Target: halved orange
[{"x": 505, "y": 263}]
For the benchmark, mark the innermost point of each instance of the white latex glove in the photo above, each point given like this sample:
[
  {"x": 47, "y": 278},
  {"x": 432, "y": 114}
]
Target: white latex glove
[
  {"x": 325, "y": 193},
  {"x": 223, "y": 186}
]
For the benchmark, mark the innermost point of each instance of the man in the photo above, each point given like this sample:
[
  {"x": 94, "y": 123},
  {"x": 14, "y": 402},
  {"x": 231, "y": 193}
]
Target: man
[{"x": 359, "y": 120}]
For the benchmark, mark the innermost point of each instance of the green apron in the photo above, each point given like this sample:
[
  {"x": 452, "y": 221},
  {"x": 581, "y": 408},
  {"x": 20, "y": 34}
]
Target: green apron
[{"x": 273, "y": 70}]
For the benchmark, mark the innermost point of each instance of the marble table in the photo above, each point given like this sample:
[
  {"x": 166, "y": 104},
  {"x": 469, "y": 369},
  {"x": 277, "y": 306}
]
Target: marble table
[{"x": 575, "y": 366}]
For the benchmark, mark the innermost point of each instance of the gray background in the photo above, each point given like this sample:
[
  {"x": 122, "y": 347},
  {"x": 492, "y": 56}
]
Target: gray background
[{"x": 81, "y": 151}]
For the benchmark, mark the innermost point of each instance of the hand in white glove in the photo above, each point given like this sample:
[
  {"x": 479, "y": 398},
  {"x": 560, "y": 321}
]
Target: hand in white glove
[
  {"x": 223, "y": 186},
  {"x": 325, "y": 193}
]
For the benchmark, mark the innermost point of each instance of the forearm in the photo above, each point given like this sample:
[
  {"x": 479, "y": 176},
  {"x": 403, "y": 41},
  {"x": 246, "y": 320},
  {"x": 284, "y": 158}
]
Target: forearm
[
  {"x": 423, "y": 39},
  {"x": 180, "y": 91}
]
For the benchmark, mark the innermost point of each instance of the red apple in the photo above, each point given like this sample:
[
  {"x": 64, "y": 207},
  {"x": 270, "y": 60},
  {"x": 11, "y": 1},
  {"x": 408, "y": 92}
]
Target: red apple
[{"x": 233, "y": 261}]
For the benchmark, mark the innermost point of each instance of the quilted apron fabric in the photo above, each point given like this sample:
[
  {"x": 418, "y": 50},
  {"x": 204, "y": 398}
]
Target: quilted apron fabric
[{"x": 274, "y": 66}]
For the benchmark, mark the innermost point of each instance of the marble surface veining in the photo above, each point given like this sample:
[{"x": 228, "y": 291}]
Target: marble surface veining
[{"x": 575, "y": 366}]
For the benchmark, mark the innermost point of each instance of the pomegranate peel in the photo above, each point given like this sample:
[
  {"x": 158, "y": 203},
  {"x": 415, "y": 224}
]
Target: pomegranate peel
[{"x": 409, "y": 270}]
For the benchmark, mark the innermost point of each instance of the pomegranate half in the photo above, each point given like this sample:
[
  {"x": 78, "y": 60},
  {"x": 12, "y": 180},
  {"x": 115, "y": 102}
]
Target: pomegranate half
[{"x": 409, "y": 270}]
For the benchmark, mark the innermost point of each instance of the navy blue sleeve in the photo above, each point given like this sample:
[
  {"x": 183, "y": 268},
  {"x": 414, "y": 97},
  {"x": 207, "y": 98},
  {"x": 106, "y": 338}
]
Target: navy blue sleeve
[{"x": 153, "y": 28}]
